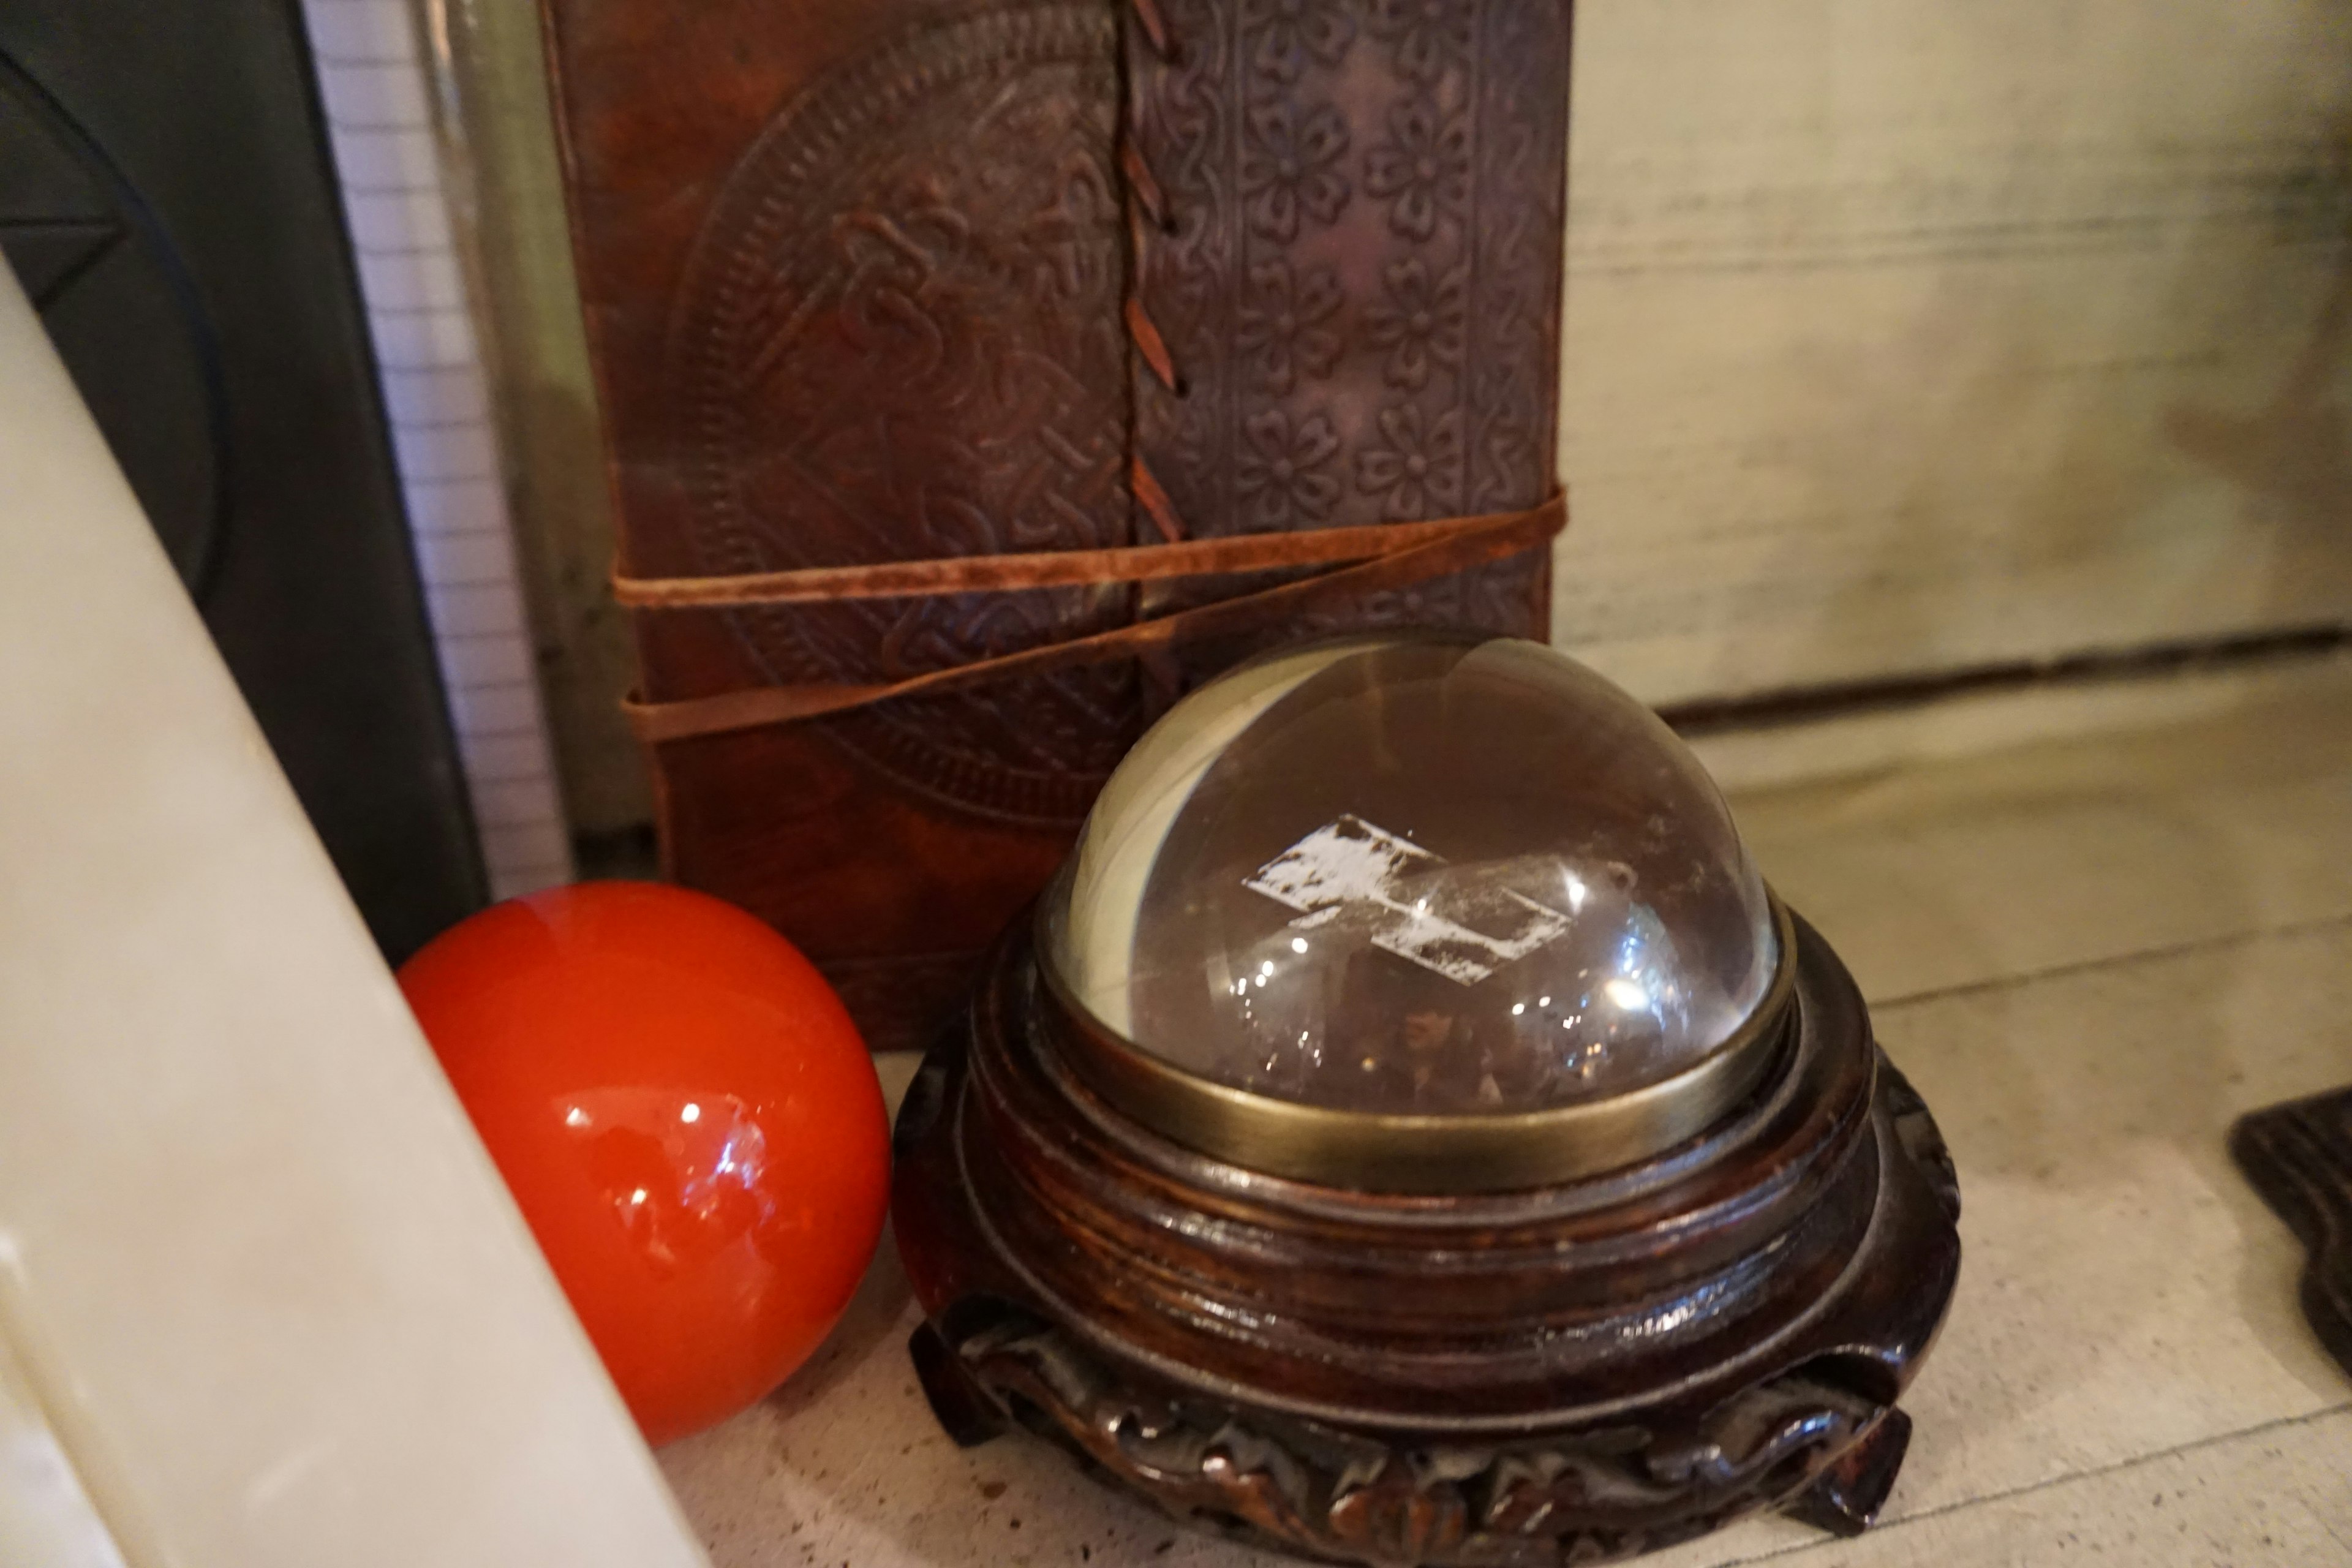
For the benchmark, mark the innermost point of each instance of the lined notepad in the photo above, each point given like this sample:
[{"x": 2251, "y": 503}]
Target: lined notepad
[{"x": 371, "y": 80}]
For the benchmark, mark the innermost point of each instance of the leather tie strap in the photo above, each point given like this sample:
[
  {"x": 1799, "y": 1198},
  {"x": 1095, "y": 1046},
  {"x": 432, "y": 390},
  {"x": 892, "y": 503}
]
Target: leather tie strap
[
  {"x": 1384, "y": 556},
  {"x": 1041, "y": 568}
]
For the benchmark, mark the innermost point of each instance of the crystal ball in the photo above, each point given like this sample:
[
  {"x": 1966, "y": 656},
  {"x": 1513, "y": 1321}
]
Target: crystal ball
[
  {"x": 1424, "y": 874},
  {"x": 687, "y": 1118}
]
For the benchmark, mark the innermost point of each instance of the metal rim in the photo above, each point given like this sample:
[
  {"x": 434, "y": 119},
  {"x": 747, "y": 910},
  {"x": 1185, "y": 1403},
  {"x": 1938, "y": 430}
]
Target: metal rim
[{"x": 1415, "y": 1154}]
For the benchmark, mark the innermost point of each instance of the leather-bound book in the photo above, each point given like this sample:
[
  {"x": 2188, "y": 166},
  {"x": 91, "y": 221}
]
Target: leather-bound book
[{"x": 876, "y": 281}]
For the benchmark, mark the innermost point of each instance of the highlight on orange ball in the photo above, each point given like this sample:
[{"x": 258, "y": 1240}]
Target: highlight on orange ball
[{"x": 686, "y": 1116}]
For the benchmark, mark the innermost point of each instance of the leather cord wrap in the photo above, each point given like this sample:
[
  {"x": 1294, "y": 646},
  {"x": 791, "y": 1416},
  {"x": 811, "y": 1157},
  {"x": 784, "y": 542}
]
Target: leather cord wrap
[
  {"x": 1385, "y": 555},
  {"x": 1042, "y": 569}
]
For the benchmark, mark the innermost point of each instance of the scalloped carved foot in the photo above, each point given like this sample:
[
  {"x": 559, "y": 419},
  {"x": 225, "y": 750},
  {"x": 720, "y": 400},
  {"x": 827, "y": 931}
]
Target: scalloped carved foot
[
  {"x": 1845, "y": 1499},
  {"x": 964, "y": 1413}
]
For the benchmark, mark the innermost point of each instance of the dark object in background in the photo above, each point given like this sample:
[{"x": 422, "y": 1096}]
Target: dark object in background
[
  {"x": 2298, "y": 1156},
  {"x": 166, "y": 200},
  {"x": 870, "y": 281}
]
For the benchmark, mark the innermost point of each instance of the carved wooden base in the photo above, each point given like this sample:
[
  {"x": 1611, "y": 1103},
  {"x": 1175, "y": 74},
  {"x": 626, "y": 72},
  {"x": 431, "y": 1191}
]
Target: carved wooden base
[
  {"x": 2299, "y": 1158},
  {"x": 1543, "y": 1377}
]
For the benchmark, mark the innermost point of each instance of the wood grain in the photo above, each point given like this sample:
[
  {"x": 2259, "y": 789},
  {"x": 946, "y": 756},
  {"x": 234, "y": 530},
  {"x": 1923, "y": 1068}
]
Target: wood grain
[{"x": 1905, "y": 336}]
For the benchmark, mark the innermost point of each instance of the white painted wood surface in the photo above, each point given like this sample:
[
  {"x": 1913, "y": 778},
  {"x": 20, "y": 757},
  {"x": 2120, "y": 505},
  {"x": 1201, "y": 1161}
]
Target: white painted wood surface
[
  {"x": 1909, "y": 335},
  {"x": 2094, "y": 931},
  {"x": 258, "y": 1281}
]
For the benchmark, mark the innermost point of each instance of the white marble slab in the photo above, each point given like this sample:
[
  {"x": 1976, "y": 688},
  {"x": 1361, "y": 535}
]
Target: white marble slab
[{"x": 261, "y": 1288}]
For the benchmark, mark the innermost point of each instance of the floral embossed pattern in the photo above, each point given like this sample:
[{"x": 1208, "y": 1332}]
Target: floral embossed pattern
[
  {"x": 1422, "y": 169},
  {"x": 1292, "y": 166},
  {"x": 1286, "y": 34},
  {"x": 1417, "y": 322},
  {"x": 1281, "y": 473},
  {"x": 1431, "y": 38},
  {"x": 1419, "y": 465},
  {"x": 1359, "y": 283},
  {"x": 1287, "y": 326}
]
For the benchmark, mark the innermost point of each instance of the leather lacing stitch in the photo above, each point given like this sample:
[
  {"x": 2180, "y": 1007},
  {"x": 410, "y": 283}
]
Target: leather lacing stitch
[
  {"x": 1147, "y": 202},
  {"x": 1155, "y": 28}
]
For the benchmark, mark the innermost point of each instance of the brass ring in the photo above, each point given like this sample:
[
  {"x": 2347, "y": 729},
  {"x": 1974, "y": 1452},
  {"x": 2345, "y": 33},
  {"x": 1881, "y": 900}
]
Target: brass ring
[{"x": 1428, "y": 1155}]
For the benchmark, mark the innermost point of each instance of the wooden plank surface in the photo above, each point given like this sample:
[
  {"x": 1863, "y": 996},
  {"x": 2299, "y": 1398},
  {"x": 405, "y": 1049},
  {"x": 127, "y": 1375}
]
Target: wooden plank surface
[
  {"x": 1905, "y": 336},
  {"x": 1979, "y": 840}
]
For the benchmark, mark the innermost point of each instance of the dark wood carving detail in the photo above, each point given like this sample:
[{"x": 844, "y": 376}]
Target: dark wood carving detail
[
  {"x": 2299, "y": 1158},
  {"x": 898, "y": 337},
  {"x": 1845, "y": 1497},
  {"x": 1922, "y": 1140},
  {"x": 1573, "y": 1497},
  {"x": 1557, "y": 1375}
]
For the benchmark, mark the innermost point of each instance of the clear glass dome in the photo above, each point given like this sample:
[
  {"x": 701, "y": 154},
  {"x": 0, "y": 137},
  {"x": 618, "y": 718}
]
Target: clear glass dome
[{"x": 1424, "y": 874}]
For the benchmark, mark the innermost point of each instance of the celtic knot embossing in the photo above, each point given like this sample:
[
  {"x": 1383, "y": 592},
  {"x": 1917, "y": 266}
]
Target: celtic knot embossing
[{"x": 897, "y": 337}]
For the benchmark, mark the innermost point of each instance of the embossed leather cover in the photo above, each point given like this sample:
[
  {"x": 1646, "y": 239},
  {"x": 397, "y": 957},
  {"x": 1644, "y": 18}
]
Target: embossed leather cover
[
  {"x": 855, "y": 273},
  {"x": 1357, "y": 272}
]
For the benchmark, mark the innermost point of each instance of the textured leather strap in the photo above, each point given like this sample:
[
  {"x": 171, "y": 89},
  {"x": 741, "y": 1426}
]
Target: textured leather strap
[
  {"x": 1040, "y": 569},
  {"x": 1386, "y": 556}
]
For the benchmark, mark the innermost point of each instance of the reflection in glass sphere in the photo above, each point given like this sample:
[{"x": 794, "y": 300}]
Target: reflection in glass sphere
[{"x": 1424, "y": 874}]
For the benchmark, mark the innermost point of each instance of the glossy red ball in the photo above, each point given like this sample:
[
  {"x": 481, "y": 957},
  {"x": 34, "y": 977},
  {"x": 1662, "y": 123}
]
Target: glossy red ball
[{"x": 688, "y": 1120}]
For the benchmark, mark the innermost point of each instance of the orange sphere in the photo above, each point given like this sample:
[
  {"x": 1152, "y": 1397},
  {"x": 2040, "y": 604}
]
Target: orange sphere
[{"x": 688, "y": 1119}]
